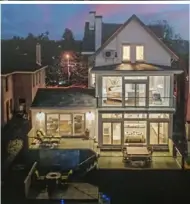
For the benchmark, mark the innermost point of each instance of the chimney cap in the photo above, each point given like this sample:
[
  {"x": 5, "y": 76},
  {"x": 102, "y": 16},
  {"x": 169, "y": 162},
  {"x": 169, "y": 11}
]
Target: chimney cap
[
  {"x": 98, "y": 16},
  {"x": 92, "y": 12}
]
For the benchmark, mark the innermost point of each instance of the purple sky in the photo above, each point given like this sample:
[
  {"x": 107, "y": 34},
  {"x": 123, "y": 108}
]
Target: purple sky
[{"x": 21, "y": 19}]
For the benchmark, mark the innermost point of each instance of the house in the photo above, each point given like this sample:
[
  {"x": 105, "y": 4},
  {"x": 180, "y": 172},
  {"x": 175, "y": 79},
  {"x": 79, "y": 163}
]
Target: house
[
  {"x": 131, "y": 75},
  {"x": 21, "y": 76}
]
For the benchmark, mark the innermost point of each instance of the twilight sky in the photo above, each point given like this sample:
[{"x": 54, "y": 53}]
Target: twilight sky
[{"x": 21, "y": 19}]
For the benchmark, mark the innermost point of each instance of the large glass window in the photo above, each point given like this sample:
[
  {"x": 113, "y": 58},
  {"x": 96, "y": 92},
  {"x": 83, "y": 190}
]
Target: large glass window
[
  {"x": 65, "y": 124},
  {"x": 135, "y": 132},
  {"x": 112, "y": 91},
  {"x": 158, "y": 133},
  {"x": 78, "y": 126},
  {"x": 139, "y": 53},
  {"x": 52, "y": 124},
  {"x": 126, "y": 53},
  {"x": 159, "y": 90},
  {"x": 111, "y": 133},
  {"x": 135, "y": 94}
]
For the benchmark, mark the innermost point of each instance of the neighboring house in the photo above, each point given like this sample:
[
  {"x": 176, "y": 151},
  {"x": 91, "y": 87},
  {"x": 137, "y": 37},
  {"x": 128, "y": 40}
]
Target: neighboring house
[
  {"x": 20, "y": 79},
  {"x": 131, "y": 74}
]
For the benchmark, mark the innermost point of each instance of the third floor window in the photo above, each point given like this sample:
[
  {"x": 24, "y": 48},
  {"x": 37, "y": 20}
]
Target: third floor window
[
  {"x": 139, "y": 53},
  {"x": 126, "y": 53}
]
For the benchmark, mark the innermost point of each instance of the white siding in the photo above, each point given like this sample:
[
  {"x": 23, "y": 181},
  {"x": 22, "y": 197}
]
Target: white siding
[{"x": 134, "y": 33}]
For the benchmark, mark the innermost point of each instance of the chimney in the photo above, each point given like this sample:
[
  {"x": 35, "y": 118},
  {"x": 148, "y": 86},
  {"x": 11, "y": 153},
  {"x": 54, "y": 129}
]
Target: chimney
[
  {"x": 38, "y": 54},
  {"x": 92, "y": 20},
  {"x": 98, "y": 32}
]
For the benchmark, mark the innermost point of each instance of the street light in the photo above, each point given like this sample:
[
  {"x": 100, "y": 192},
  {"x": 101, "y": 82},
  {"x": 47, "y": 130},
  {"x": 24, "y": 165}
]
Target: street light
[{"x": 67, "y": 56}]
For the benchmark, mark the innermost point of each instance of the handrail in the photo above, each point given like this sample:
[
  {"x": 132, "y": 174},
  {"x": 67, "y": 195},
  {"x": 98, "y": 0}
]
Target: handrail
[{"x": 86, "y": 160}]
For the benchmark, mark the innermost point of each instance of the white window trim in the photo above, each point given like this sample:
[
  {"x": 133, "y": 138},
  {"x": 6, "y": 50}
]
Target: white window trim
[
  {"x": 139, "y": 60},
  {"x": 123, "y": 59}
]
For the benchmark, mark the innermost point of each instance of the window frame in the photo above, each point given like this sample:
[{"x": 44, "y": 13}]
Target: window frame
[
  {"x": 139, "y": 60},
  {"x": 126, "y": 45}
]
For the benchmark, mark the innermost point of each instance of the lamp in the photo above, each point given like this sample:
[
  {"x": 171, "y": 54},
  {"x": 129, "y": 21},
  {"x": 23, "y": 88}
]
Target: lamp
[
  {"x": 40, "y": 116},
  {"x": 90, "y": 116}
]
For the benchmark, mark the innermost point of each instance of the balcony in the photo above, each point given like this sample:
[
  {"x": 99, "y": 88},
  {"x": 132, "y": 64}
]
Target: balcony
[{"x": 137, "y": 102}]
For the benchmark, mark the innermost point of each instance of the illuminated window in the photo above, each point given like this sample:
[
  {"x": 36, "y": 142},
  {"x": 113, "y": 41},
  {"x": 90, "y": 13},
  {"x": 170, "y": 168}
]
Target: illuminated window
[
  {"x": 139, "y": 53},
  {"x": 93, "y": 79},
  {"x": 126, "y": 53}
]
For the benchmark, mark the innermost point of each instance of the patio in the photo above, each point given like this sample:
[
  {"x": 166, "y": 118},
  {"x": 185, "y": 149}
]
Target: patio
[{"x": 114, "y": 160}]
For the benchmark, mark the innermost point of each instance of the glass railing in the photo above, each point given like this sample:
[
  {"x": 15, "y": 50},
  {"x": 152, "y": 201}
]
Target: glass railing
[
  {"x": 137, "y": 102},
  {"x": 112, "y": 161}
]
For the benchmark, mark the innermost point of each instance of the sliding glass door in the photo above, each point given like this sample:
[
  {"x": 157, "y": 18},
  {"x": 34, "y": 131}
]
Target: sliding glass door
[
  {"x": 135, "y": 94},
  {"x": 158, "y": 133},
  {"x": 111, "y": 133}
]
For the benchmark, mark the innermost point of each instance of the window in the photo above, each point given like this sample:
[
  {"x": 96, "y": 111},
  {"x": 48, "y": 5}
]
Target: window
[
  {"x": 126, "y": 53},
  {"x": 112, "y": 91},
  {"x": 112, "y": 115},
  {"x": 6, "y": 83},
  {"x": 65, "y": 124},
  {"x": 139, "y": 53},
  {"x": 159, "y": 91},
  {"x": 93, "y": 79},
  {"x": 78, "y": 126},
  {"x": 159, "y": 133},
  {"x": 135, "y": 131},
  {"x": 52, "y": 125},
  {"x": 138, "y": 116},
  {"x": 135, "y": 94}
]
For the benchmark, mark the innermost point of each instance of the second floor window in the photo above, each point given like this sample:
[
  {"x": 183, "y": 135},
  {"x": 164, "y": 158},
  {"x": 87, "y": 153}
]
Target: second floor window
[
  {"x": 126, "y": 53},
  {"x": 139, "y": 53},
  {"x": 6, "y": 84}
]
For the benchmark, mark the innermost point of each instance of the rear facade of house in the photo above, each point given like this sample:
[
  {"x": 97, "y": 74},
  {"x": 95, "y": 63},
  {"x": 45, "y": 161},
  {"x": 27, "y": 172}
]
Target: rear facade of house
[{"x": 134, "y": 81}]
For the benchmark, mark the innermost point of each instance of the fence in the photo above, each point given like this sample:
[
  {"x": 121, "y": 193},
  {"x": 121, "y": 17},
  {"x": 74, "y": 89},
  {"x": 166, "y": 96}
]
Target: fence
[{"x": 27, "y": 181}]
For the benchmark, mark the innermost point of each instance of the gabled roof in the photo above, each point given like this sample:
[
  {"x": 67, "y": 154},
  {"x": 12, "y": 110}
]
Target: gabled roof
[
  {"x": 110, "y": 30},
  {"x": 134, "y": 17}
]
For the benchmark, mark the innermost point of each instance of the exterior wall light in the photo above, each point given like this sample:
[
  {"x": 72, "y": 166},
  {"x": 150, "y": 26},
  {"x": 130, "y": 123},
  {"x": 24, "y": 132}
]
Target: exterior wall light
[{"x": 40, "y": 116}]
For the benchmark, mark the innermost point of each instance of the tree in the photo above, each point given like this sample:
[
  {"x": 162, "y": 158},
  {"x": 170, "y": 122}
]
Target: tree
[{"x": 69, "y": 42}]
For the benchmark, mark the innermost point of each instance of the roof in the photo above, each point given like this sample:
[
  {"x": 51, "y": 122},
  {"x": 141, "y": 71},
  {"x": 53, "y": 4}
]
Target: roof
[
  {"x": 21, "y": 58},
  {"x": 109, "y": 31},
  {"x": 64, "y": 97},
  {"x": 18, "y": 63},
  {"x": 134, "y": 67}
]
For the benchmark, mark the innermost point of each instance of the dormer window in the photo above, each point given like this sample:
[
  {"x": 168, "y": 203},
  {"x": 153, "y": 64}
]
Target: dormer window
[
  {"x": 139, "y": 53},
  {"x": 126, "y": 53}
]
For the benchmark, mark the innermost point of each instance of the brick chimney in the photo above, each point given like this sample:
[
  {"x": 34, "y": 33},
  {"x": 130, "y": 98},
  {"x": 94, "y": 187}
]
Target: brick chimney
[
  {"x": 38, "y": 54},
  {"x": 92, "y": 20},
  {"x": 98, "y": 32}
]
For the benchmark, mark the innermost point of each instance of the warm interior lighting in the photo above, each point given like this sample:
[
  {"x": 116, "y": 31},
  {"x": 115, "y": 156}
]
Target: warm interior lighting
[
  {"x": 67, "y": 56},
  {"x": 126, "y": 53},
  {"x": 139, "y": 53}
]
